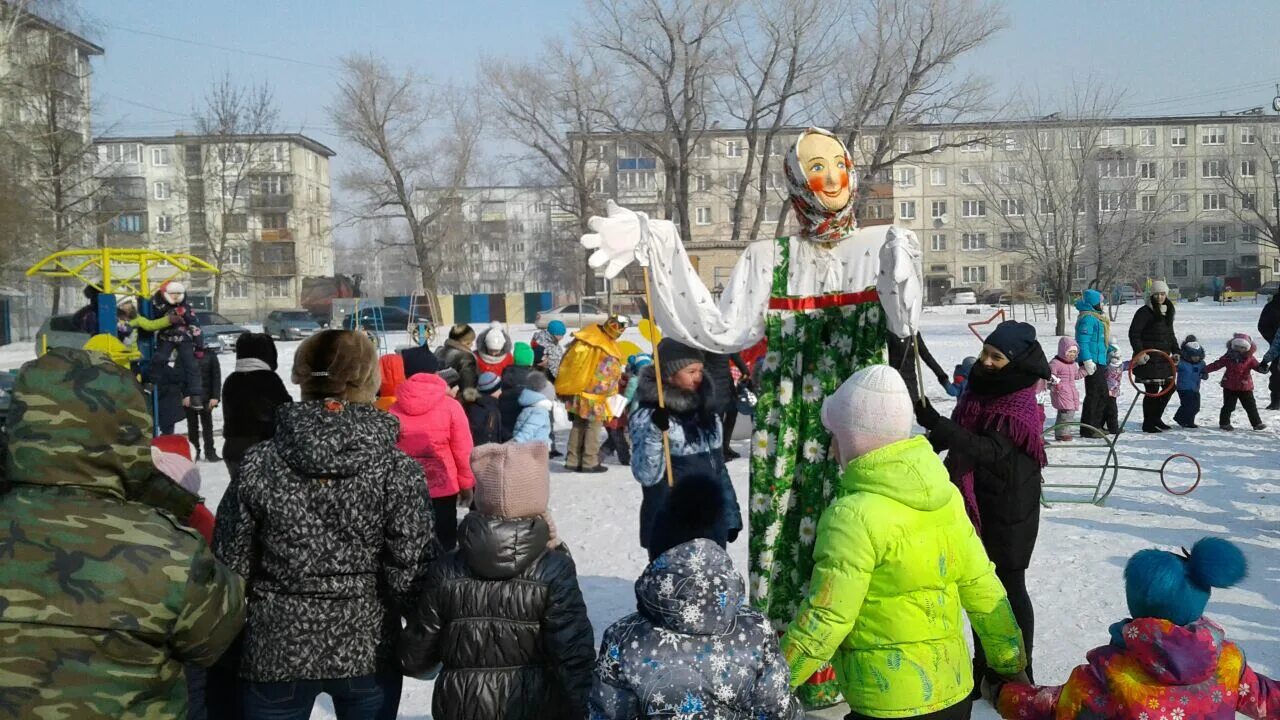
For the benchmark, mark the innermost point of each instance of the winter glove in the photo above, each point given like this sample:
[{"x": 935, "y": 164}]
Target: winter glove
[
  {"x": 662, "y": 419},
  {"x": 944, "y": 381},
  {"x": 1141, "y": 360},
  {"x": 1176, "y": 357},
  {"x": 618, "y": 239},
  {"x": 1264, "y": 367},
  {"x": 464, "y": 497},
  {"x": 733, "y": 536},
  {"x": 1090, "y": 367},
  {"x": 953, "y": 390},
  {"x": 926, "y": 415}
]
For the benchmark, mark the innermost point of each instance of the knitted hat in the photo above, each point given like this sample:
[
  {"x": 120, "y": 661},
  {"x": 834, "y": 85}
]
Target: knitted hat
[
  {"x": 870, "y": 410},
  {"x": 171, "y": 454},
  {"x": 1092, "y": 298},
  {"x": 692, "y": 511},
  {"x": 1159, "y": 286},
  {"x": 173, "y": 290},
  {"x": 674, "y": 356},
  {"x": 537, "y": 382},
  {"x": 1191, "y": 347},
  {"x": 512, "y": 479},
  {"x": 1012, "y": 338},
  {"x": 1176, "y": 588},
  {"x": 340, "y": 364},
  {"x": 523, "y": 354},
  {"x": 257, "y": 346},
  {"x": 638, "y": 361},
  {"x": 462, "y": 333},
  {"x": 557, "y": 328},
  {"x": 1240, "y": 342},
  {"x": 494, "y": 339},
  {"x": 488, "y": 383},
  {"x": 450, "y": 377}
]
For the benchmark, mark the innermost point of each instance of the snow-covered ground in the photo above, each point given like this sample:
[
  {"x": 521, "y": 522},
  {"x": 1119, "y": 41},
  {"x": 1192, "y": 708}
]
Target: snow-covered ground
[{"x": 1075, "y": 578}]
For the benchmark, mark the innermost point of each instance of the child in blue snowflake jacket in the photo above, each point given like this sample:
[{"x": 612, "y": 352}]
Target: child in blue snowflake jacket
[{"x": 696, "y": 648}]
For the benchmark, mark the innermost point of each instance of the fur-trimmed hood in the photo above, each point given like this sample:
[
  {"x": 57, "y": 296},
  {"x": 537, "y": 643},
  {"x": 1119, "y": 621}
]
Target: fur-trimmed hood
[
  {"x": 483, "y": 353},
  {"x": 677, "y": 401}
]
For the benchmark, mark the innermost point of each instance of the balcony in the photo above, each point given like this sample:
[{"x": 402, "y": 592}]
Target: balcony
[
  {"x": 282, "y": 201},
  {"x": 276, "y": 235},
  {"x": 121, "y": 203},
  {"x": 274, "y": 259}
]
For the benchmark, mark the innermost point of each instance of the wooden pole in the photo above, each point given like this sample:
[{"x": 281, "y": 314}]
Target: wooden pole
[{"x": 657, "y": 371}]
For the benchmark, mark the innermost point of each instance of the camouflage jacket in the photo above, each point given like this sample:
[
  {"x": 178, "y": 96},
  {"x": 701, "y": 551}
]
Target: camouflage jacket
[{"x": 101, "y": 599}]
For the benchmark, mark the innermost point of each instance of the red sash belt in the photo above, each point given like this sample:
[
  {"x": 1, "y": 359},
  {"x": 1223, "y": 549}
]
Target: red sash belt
[{"x": 819, "y": 302}]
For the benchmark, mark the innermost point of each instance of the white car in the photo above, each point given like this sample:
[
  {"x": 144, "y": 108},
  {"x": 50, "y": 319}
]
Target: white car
[
  {"x": 960, "y": 296},
  {"x": 574, "y": 315}
]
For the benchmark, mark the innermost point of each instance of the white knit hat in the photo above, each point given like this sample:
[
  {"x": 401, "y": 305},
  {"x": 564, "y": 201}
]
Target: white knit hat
[
  {"x": 870, "y": 410},
  {"x": 495, "y": 339},
  {"x": 1159, "y": 286}
]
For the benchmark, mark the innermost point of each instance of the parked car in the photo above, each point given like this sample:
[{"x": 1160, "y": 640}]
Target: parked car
[
  {"x": 290, "y": 324},
  {"x": 960, "y": 296},
  {"x": 994, "y": 296},
  {"x": 217, "y": 327},
  {"x": 385, "y": 318},
  {"x": 60, "y": 331},
  {"x": 1124, "y": 294},
  {"x": 574, "y": 315},
  {"x": 1269, "y": 289}
]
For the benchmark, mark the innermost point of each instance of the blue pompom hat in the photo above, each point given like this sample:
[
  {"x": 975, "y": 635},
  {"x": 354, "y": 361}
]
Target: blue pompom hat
[{"x": 1175, "y": 587}]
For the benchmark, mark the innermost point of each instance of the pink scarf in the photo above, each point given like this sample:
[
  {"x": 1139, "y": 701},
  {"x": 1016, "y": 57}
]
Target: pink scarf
[{"x": 1016, "y": 415}]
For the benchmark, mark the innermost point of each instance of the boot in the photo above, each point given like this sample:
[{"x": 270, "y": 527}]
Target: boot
[
  {"x": 1161, "y": 424},
  {"x": 1147, "y": 428},
  {"x": 1260, "y": 426},
  {"x": 211, "y": 455},
  {"x": 730, "y": 454},
  {"x": 1275, "y": 404},
  {"x": 1226, "y": 426}
]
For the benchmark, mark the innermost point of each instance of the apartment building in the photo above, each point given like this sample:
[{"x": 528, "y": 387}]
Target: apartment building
[
  {"x": 256, "y": 206},
  {"x": 1192, "y": 182}
]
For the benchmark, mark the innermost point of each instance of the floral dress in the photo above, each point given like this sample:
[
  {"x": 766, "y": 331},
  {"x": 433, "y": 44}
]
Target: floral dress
[{"x": 814, "y": 344}]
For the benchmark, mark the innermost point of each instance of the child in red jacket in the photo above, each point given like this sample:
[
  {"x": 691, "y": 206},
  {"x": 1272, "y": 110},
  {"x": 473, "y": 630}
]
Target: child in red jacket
[
  {"x": 1237, "y": 383},
  {"x": 1169, "y": 661}
]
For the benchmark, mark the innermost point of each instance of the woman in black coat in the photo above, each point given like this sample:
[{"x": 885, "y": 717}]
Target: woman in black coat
[
  {"x": 250, "y": 397},
  {"x": 725, "y": 402},
  {"x": 1152, "y": 329},
  {"x": 996, "y": 453}
]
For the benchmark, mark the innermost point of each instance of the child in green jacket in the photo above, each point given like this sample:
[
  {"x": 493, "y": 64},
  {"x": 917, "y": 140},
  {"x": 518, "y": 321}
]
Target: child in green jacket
[{"x": 896, "y": 560}]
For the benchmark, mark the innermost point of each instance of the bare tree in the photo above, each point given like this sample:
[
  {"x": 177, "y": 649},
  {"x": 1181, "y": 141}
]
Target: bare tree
[
  {"x": 1251, "y": 181},
  {"x": 668, "y": 52},
  {"x": 385, "y": 114},
  {"x": 231, "y": 178},
  {"x": 899, "y": 71}
]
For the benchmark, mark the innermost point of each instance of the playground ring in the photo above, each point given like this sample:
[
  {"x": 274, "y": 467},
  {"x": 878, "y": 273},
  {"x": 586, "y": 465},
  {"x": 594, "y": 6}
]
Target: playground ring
[{"x": 1171, "y": 382}]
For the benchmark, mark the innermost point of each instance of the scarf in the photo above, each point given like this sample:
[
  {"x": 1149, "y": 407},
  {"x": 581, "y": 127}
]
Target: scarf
[
  {"x": 251, "y": 365},
  {"x": 817, "y": 223},
  {"x": 1016, "y": 415},
  {"x": 1102, "y": 318}
]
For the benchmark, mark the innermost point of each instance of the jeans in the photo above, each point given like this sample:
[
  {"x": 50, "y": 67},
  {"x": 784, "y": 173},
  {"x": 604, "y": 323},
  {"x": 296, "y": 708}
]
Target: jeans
[
  {"x": 1245, "y": 397},
  {"x": 196, "y": 419},
  {"x": 1188, "y": 408},
  {"x": 1015, "y": 586},
  {"x": 445, "y": 510},
  {"x": 960, "y": 711},
  {"x": 368, "y": 697},
  {"x": 1095, "y": 400}
]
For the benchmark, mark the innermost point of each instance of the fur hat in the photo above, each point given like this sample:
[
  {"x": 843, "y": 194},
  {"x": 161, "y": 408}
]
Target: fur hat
[
  {"x": 513, "y": 480},
  {"x": 1159, "y": 286},
  {"x": 462, "y": 333},
  {"x": 675, "y": 356},
  {"x": 870, "y": 410},
  {"x": 692, "y": 511},
  {"x": 1012, "y": 338},
  {"x": 257, "y": 346},
  {"x": 339, "y": 364},
  {"x": 488, "y": 383},
  {"x": 523, "y": 355},
  {"x": 1176, "y": 588},
  {"x": 171, "y": 454}
]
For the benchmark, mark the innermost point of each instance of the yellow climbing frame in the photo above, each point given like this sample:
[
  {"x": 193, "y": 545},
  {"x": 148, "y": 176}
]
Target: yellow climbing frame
[{"x": 120, "y": 271}]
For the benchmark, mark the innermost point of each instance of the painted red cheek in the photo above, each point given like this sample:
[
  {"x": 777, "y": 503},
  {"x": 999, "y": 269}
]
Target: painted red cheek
[
  {"x": 816, "y": 183},
  {"x": 844, "y": 179}
]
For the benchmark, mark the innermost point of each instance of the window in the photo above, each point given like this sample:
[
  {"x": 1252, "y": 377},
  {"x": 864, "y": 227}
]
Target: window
[
  {"x": 1012, "y": 207},
  {"x": 1248, "y": 168},
  {"x": 1148, "y": 236},
  {"x": 1112, "y": 137},
  {"x": 906, "y": 177},
  {"x": 1214, "y": 201},
  {"x": 968, "y": 176},
  {"x": 1045, "y": 206},
  {"x": 701, "y": 150},
  {"x": 1212, "y": 135},
  {"x": 974, "y": 275},
  {"x": 637, "y": 180},
  {"x": 700, "y": 183},
  {"x": 938, "y": 242},
  {"x": 1179, "y": 169},
  {"x": 1178, "y": 268},
  {"x": 161, "y": 190},
  {"x": 939, "y": 208},
  {"x": 1117, "y": 168},
  {"x": 272, "y": 184},
  {"x": 164, "y": 224},
  {"x": 971, "y": 144},
  {"x": 937, "y": 176},
  {"x": 238, "y": 222},
  {"x": 1147, "y": 137},
  {"x": 597, "y": 184},
  {"x": 1115, "y": 201},
  {"x": 1147, "y": 170},
  {"x": 1178, "y": 202},
  {"x": 124, "y": 152},
  {"x": 907, "y": 209},
  {"x": 1249, "y": 235},
  {"x": 1178, "y": 137},
  {"x": 235, "y": 255},
  {"x": 1014, "y": 273},
  {"x": 1213, "y": 267},
  {"x": 232, "y": 154},
  {"x": 733, "y": 148},
  {"x": 973, "y": 241},
  {"x": 1179, "y": 236},
  {"x": 938, "y": 268},
  {"x": 1045, "y": 139},
  {"x": 1077, "y": 139},
  {"x": 702, "y": 216},
  {"x": 160, "y": 156},
  {"x": 1211, "y": 169},
  {"x": 935, "y": 141},
  {"x": 1012, "y": 240},
  {"x": 132, "y": 223},
  {"x": 1248, "y": 135},
  {"x": 869, "y": 144},
  {"x": 311, "y": 159},
  {"x": 733, "y": 180},
  {"x": 974, "y": 208},
  {"x": 1213, "y": 234},
  {"x": 1147, "y": 203},
  {"x": 1275, "y": 137},
  {"x": 235, "y": 289},
  {"x": 279, "y": 287},
  {"x": 1248, "y": 201},
  {"x": 1011, "y": 144},
  {"x": 905, "y": 145},
  {"x": 774, "y": 181}
]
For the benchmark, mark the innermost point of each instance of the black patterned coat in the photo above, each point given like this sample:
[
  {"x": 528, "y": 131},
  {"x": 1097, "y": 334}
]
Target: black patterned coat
[{"x": 330, "y": 524}]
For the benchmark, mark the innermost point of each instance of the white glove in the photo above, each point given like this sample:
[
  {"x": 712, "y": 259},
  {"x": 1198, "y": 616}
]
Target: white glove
[
  {"x": 898, "y": 283},
  {"x": 1090, "y": 367},
  {"x": 1142, "y": 360},
  {"x": 619, "y": 238}
]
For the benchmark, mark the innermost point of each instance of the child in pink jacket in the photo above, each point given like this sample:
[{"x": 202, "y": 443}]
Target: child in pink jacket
[
  {"x": 1063, "y": 391},
  {"x": 1237, "y": 383},
  {"x": 434, "y": 431}
]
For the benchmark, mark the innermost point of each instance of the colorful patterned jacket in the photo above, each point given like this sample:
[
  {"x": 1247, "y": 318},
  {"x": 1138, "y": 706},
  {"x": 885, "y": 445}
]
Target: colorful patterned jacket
[
  {"x": 1153, "y": 670},
  {"x": 589, "y": 374}
]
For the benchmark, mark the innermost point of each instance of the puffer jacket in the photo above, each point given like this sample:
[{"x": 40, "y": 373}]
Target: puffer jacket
[
  {"x": 1092, "y": 329},
  {"x": 892, "y": 631},
  {"x": 105, "y": 597},
  {"x": 1065, "y": 394},
  {"x": 183, "y": 325},
  {"x": 534, "y": 422},
  {"x": 695, "y": 649},
  {"x": 513, "y": 382},
  {"x": 331, "y": 526},
  {"x": 506, "y": 618},
  {"x": 1152, "y": 329},
  {"x": 249, "y": 401},
  {"x": 435, "y": 432},
  {"x": 458, "y": 357},
  {"x": 1238, "y": 376},
  {"x": 694, "y": 438},
  {"x": 1191, "y": 370},
  {"x": 1154, "y": 669}
]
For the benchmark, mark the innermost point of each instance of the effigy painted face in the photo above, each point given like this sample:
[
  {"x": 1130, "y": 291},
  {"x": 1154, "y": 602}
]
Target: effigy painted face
[
  {"x": 821, "y": 183},
  {"x": 826, "y": 168}
]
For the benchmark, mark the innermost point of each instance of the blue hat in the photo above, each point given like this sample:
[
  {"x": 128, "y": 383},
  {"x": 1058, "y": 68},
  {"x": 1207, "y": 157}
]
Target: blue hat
[
  {"x": 1012, "y": 338},
  {"x": 637, "y": 361},
  {"x": 1092, "y": 297},
  {"x": 488, "y": 382},
  {"x": 1176, "y": 588},
  {"x": 556, "y": 328}
]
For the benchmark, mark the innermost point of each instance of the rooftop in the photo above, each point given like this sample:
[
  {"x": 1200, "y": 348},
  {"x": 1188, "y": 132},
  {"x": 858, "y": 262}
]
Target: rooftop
[{"x": 180, "y": 138}]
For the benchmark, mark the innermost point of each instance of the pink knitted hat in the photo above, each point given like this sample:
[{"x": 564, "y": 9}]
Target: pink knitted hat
[
  {"x": 177, "y": 468},
  {"x": 513, "y": 480},
  {"x": 870, "y": 410}
]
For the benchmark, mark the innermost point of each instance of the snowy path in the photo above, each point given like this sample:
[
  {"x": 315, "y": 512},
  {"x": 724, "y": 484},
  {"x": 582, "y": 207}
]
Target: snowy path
[{"x": 1075, "y": 578}]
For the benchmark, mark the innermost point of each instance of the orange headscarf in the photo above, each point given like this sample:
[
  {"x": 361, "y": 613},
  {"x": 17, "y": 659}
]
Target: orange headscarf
[{"x": 392, "y": 366}]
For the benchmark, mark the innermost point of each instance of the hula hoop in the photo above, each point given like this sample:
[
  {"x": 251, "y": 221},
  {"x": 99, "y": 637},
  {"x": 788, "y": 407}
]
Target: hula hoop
[
  {"x": 1194, "y": 485},
  {"x": 1172, "y": 381}
]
